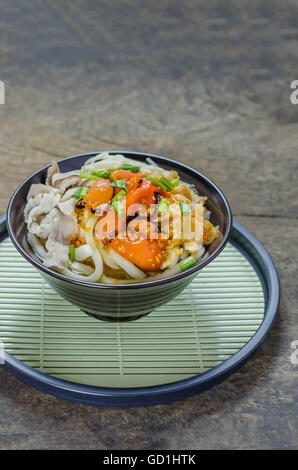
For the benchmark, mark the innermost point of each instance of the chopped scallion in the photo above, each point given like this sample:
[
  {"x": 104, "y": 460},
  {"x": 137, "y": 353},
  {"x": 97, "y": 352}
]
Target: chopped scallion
[
  {"x": 187, "y": 263},
  {"x": 134, "y": 169},
  {"x": 77, "y": 194},
  {"x": 80, "y": 193},
  {"x": 167, "y": 183},
  {"x": 118, "y": 208},
  {"x": 184, "y": 207},
  {"x": 72, "y": 250},
  {"x": 88, "y": 177},
  {"x": 175, "y": 183},
  {"x": 120, "y": 184},
  {"x": 120, "y": 194},
  {"x": 84, "y": 192},
  {"x": 163, "y": 206},
  {"x": 158, "y": 183},
  {"x": 105, "y": 173}
]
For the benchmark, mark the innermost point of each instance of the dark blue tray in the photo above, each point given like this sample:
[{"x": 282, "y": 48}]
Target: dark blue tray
[{"x": 262, "y": 263}]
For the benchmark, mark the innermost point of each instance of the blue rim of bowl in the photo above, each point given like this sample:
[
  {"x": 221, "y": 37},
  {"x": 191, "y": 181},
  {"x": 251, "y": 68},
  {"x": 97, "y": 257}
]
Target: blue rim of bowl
[
  {"x": 181, "y": 389},
  {"x": 139, "y": 285}
]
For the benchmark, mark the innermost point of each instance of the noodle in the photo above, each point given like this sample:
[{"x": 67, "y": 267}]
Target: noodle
[
  {"x": 143, "y": 245},
  {"x": 37, "y": 245},
  {"x": 97, "y": 273},
  {"x": 128, "y": 266},
  {"x": 107, "y": 257},
  {"x": 83, "y": 252}
]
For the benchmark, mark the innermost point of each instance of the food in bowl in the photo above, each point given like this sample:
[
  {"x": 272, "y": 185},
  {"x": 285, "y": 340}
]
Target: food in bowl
[{"x": 118, "y": 220}]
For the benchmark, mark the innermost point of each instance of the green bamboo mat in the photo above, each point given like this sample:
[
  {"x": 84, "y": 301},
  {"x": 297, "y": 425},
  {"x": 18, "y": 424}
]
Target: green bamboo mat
[{"x": 202, "y": 327}]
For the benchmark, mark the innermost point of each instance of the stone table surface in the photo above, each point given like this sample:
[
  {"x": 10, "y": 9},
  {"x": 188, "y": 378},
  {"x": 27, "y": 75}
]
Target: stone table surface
[{"x": 206, "y": 83}]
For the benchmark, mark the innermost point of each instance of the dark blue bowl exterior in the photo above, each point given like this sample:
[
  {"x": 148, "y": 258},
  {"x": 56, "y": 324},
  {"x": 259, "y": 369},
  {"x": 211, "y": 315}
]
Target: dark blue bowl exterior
[
  {"x": 118, "y": 302},
  {"x": 118, "y": 305}
]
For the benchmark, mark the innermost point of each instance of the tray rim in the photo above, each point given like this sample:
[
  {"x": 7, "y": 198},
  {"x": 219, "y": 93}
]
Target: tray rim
[{"x": 181, "y": 389}]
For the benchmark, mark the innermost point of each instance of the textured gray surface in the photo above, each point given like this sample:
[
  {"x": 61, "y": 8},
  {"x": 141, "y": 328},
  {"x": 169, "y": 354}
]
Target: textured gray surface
[{"x": 207, "y": 83}]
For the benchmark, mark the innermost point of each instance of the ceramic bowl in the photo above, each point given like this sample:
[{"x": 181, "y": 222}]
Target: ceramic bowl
[{"x": 120, "y": 302}]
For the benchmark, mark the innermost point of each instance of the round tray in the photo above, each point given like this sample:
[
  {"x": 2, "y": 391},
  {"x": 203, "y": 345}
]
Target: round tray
[{"x": 183, "y": 348}]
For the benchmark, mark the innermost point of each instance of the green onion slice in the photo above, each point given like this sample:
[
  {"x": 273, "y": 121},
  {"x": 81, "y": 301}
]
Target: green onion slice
[
  {"x": 80, "y": 193},
  {"x": 120, "y": 194},
  {"x": 167, "y": 183},
  {"x": 104, "y": 173},
  {"x": 175, "y": 183},
  {"x": 118, "y": 208},
  {"x": 184, "y": 207},
  {"x": 158, "y": 183},
  {"x": 84, "y": 192},
  {"x": 163, "y": 206},
  {"x": 187, "y": 263},
  {"x": 120, "y": 184},
  {"x": 72, "y": 250},
  {"x": 134, "y": 169},
  {"x": 77, "y": 194},
  {"x": 88, "y": 177}
]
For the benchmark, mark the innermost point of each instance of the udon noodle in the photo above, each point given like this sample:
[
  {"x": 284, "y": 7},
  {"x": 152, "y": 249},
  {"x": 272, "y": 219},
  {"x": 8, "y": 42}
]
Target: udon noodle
[{"x": 118, "y": 220}]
